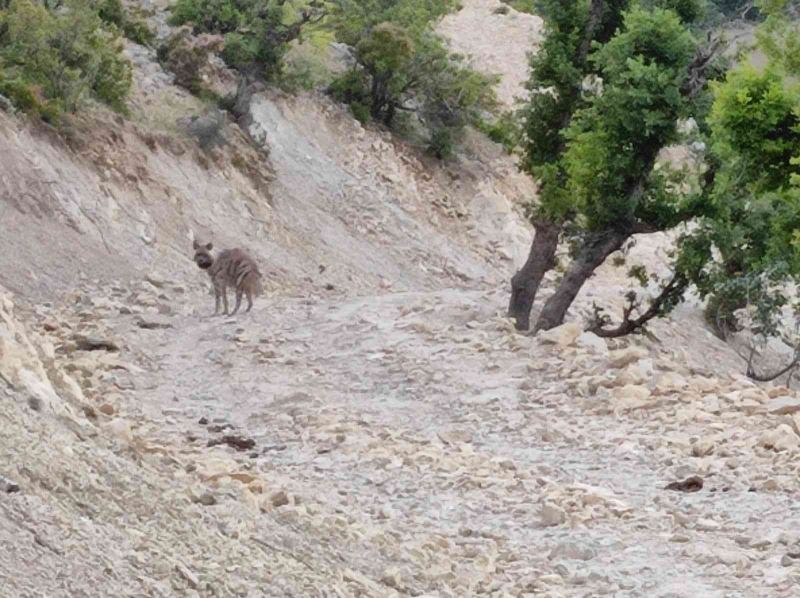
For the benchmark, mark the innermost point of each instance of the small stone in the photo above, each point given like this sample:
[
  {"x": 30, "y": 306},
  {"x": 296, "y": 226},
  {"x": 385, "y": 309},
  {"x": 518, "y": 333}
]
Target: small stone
[
  {"x": 106, "y": 409},
  {"x": 7, "y": 486},
  {"x": 563, "y": 336},
  {"x": 703, "y": 447},
  {"x": 206, "y": 499},
  {"x": 35, "y": 403},
  {"x": 781, "y": 438},
  {"x": 155, "y": 281},
  {"x": 632, "y": 393},
  {"x": 153, "y": 323},
  {"x": 624, "y": 357},
  {"x": 121, "y": 429},
  {"x": 680, "y": 538},
  {"x": 240, "y": 443},
  {"x": 592, "y": 343},
  {"x": 455, "y": 436},
  {"x": 784, "y": 406},
  {"x": 191, "y": 579},
  {"x": 279, "y": 499},
  {"x": 787, "y": 561},
  {"x": 550, "y": 515},
  {"x": 707, "y": 525},
  {"x": 572, "y": 551},
  {"x": 391, "y": 577},
  {"x": 691, "y": 484},
  {"x": 87, "y": 343}
]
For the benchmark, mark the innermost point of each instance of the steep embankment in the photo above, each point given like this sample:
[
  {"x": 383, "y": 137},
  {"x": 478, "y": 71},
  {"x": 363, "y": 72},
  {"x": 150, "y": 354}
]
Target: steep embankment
[{"x": 374, "y": 427}]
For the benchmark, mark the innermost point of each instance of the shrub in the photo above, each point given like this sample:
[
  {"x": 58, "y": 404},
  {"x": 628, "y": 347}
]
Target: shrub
[
  {"x": 185, "y": 57},
  {"x": 402, "y": 67},
  {"x": 442, "y": 142},
  {"x": 52, "y": 60},
  {"x": 505, "y": 130},
  {"x": 135, "y": 29},
  {"x": 257, "y": 32}
]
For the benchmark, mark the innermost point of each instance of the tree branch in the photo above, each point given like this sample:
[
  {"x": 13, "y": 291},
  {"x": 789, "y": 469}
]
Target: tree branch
[
  {"x": 753, "y": 375},
  {"x": 671, "y": 293}
]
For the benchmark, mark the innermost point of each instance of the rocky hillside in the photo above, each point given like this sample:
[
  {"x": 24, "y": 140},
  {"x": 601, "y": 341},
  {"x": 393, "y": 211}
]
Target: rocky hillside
[{"x": 375, "y": 427}]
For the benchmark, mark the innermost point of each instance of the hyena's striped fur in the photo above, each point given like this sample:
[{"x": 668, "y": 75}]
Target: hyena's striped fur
[{"x": 232, "y": 267}]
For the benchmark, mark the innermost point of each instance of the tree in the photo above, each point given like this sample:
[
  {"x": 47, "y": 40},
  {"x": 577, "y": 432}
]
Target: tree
[
  {"x": 257, "y": 32},
  {"x": 52, "y": 60},
  {"x": 650, "y": 82},
  {"x": 755, "y": 137},
  {"x": 558, "y": 69},
  {"x": 402, "y": 66}
]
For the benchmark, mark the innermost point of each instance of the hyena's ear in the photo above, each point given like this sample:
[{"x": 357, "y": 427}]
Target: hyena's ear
[
  {"x": 209, "y": 246},
  {"x": 195, "y": 244}
]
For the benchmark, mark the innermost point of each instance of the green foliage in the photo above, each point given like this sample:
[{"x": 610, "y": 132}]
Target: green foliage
[
  {"x": 780, "y": 35},
  {"x": 528, "y": 6},
  {"x": 403, "y": 67},
  {"x": 353, "y": 19},
  {"x": 613, "y": 142},
  {"x": 257, "y": 32},
  {"x": 50, "y": 61},
  {"x": 134, "y": 28},
  {"x": 557, "y": 70},
  {"x": 185, "y": 59},
  {"x": 506, "y": 130},
  {"x": 689, "y": 11},
  {"x": 755, "y": 124}
]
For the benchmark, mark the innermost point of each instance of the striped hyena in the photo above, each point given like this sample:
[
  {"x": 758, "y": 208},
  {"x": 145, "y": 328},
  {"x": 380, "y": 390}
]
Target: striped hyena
[{"x": 232, "y": 267}]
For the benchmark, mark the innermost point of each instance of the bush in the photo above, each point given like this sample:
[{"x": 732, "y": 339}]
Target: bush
[
  {"x": 402, "y": 67},
  {"x": 135, "y": 29},
  {"x": 257, "y": 32},
  {"x": 442, "y": 142},
  {"x": 185, "y": 57},
  {"x": 522, "y": 5},
  {"x": 505, "y": 130},
  {"x": 52, "y": 61}
]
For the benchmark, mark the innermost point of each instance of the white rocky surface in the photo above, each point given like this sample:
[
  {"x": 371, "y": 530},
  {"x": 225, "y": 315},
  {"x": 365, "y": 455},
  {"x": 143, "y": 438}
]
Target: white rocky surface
[{"x": 375, "y": 427}]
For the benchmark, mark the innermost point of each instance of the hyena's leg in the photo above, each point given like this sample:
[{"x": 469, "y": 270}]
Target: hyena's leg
[
  {"x": 238, "y": 301},
  {"x": 217, "y": 300},
  {"x": 249, "y": 300},
  {"x": 225, "y": 299}
]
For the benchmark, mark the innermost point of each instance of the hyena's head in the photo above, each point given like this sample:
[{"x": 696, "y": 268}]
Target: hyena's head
[{"x": 202, "y": 255}]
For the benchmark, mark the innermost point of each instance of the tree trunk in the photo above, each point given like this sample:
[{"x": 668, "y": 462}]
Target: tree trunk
[
  {"x": 595, "y": 250},
  {"x": 525, "y": 283}
]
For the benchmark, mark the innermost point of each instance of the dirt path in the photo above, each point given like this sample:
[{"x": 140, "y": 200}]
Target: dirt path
[{"x": 465, "y": 455}]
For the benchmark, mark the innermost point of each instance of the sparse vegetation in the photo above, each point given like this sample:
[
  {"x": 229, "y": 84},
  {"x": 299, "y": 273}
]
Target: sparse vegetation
[
  {"x": 257, "y": 33},
  {"x": 403, "y": 67},
  {"x": 133, "y": 27},
  {"x": 185, "y": 56},
  {"x": 51, "y": 61}
]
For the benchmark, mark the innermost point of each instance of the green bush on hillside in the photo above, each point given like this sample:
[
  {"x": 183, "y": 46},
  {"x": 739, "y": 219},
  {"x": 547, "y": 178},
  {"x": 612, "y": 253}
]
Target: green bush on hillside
[
  {"x": 134, "y": 28},
  {"x": 257, "y": 32},
  {"x": 403, "y": 68},
  {"x": 51, "y": 61}
]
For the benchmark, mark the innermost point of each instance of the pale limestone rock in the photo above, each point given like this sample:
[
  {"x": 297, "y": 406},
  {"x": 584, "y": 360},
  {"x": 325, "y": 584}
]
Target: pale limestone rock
[
  {"x": 550, "y": 515},
  {"x": 784, "y": 406},
  {"x": 782, "y": 438},
  {"x": 121, "y": 429},
  {"x": 572, "y": 551},
  {"x": 707, "y": 525},
  {"x": 592, "y": 343},
  {"x": 623, "y": 357},
  {"x": 631, "y": 393},
  {"x": 562, "y": 336}
]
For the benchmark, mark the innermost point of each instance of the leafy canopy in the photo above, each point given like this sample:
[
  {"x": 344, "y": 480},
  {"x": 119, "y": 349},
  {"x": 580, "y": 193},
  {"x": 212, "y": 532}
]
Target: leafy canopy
[
  {"x": 402, "y": 66},
  {"x": 51, "y": 61}
]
